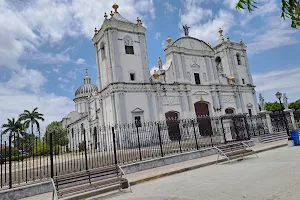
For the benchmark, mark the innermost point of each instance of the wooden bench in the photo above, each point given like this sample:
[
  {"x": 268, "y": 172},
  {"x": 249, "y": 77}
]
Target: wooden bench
[
  {"x": 234, "y": 150},
  {"x": 89, "y": 182}
]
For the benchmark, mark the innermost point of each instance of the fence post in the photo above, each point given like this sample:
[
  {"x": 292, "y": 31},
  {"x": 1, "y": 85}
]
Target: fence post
[
  {"x": 51, "y": 154},
  {"x": 9, "y": 162},
  {"x": 138, "y": 137},
  {"x": 114, "y": 143},
  {"x": 160, "y": 143},
  {"x": 85, "y": 151},
  {"x": 195, "y": 135},
  {"x": 247, "y": 128},
  {"x": 225, "y": 141}
]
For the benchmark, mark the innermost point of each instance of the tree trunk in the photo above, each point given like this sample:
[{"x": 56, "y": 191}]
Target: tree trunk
[{"x": 32, "y": 128}]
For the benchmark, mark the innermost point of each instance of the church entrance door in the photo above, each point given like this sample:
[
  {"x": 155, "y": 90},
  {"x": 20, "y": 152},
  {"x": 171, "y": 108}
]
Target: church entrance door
[
  {"x": 172, "y": 122},
  {"x": 203, "y": 119}
]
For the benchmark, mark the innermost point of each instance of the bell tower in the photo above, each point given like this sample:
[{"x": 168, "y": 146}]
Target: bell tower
[{"x": 121, "y": 51}]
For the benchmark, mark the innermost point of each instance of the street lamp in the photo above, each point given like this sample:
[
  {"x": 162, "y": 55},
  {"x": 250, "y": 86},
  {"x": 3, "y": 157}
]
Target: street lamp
[{"x": 279, "y": 95}]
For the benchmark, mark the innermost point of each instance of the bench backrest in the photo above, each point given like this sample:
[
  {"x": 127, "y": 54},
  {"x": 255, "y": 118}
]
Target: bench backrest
[
  {"x": 73, "y": 179},
  {"x": 231, "y": 147}
]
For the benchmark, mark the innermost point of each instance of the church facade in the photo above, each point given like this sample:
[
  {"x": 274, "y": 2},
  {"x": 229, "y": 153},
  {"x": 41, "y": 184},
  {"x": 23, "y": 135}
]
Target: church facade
[{"x": 198, "y": 80}]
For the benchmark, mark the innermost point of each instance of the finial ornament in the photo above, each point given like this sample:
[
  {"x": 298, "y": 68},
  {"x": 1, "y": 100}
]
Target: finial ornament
[
  {"x": 86, "y": 71},
  {"x": 111, "y": 13},
  {"x": 201, "y": 98},
  {"x": 241, "y": 41},
  {"x": 95, "y": 30},
  {"x": 169, "y": 40},
  {"x": 105, "y": 15},
  {"x": 115, "y": 6},
  {"x": 139, "y": 21},
  {"x": 232, "y": 78},
  {"x": 221, "y": 32},
  {"x": 155, "y": 75}
]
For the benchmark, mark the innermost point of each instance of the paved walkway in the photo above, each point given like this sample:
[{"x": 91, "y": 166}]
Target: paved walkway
[
  {"x": 169, "y": 169},
  {"x": 275, "y": 175}
]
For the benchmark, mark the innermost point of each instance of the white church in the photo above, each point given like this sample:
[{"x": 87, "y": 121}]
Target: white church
[{"x": 198, "y": 79}]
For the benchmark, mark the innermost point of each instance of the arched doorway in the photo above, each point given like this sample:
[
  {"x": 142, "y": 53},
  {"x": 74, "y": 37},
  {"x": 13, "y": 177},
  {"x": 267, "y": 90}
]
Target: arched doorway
[
  {"x": 95, "y": 137},
  {"x": 202, "y": 114},
  {"x": 173, "y": 125},
  {"x": 229, "y": 111}
]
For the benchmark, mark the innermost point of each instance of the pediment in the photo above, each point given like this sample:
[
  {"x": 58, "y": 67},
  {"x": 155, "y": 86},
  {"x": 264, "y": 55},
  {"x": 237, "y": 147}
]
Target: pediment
[
  {"x": 200, "y": 93},
  {"x": 192, "y": 43},
  {"x": 249, "y": 105},
  {"x": 137, "y": 110}
]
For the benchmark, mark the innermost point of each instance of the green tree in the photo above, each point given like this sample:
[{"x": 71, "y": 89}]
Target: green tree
[
  {"x": 295, "y": 105},
  {"x": 59, "y": 134},
  {"x": 32, "y": 118},
  {"x": 13, "y": 126},
  {"x": 273, "y": 107},
  {"x": 290, "y": 9}
]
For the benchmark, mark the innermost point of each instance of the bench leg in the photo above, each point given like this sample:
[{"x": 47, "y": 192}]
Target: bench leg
[
  {"x": 255, "y": 154},
  {"x": 217, "y": 159}
]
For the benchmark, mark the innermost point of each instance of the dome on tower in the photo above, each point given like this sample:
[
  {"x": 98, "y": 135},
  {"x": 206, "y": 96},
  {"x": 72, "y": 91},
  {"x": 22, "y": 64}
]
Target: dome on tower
[{"x": 87, "y": 88}]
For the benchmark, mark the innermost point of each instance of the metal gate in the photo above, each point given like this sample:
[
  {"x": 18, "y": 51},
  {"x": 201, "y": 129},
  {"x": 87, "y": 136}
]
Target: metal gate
[{"x": 239, "y": 128}]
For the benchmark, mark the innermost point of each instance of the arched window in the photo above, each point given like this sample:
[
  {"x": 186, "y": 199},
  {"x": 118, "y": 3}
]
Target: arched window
[
  {"x": 102, "y": 50},
  {"x": 128, "y": 42},
  {"x": 238, "y": 58},
  {"x": 229, "y": 111}
]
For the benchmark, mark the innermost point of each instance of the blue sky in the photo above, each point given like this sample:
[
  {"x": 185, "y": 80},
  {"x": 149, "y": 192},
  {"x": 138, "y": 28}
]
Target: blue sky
[{"x": 46, "y": 45}]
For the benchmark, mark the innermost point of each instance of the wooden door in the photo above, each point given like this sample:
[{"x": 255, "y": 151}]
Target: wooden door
[
  {"x": 203, "y": 119},
  {"x": 172, "y": 122}
]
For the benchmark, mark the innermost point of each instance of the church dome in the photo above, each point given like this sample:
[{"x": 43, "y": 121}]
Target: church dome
[{"x": 87, "y": 88}]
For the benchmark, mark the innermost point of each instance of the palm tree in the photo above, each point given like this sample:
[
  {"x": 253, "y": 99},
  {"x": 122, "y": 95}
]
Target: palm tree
[
  {"x": 32, "y": 118},
  {"x": 13, "y": 126}
]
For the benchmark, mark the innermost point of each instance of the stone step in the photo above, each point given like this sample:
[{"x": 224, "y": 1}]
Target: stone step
[
  {"x": 277, "y": 136},
  {"x": 273, "y": 137}
]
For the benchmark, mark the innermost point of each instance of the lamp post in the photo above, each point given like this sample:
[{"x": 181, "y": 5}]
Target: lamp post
[{"x": 279, "y": 95}]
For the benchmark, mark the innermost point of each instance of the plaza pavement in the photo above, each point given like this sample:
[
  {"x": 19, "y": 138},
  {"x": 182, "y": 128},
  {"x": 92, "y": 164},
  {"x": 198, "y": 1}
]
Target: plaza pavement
[{"x": 153, "y": 189}]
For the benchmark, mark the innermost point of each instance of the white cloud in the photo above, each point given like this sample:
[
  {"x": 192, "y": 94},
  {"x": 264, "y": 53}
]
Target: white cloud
[
  {"x": 275, "y": 34},
  {"x": 157, "y": 35},
  {"x": 55, "y": 69},
  {"x": 72, "y": 75},
  {"x": 80, "y": 61},
  {"x": 192, "y": 13},
  {"x": 203, "y": 23},
  {"x": 16, "y": 101},
  {"x": 231, "y": 3},
  {"x": 63, "y": 80},
  {"x": 47, "y": 58},
  {"x": 27, "y": 79},
  {"x": 156, "y": 68},
  {"x": 208, "y": 31},
  {"x": 265, "y": 7},
  {"x": 42, "y": 22},
  {"x": 284, "y": 81},
  {"x": 163, "y": 44},
  {"x": 169, "y": 8}
]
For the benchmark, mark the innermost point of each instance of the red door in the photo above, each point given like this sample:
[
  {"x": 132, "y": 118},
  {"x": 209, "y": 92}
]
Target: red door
[
  {"x": 203, "y": 119},
  {"x": 173, "y": 125}
]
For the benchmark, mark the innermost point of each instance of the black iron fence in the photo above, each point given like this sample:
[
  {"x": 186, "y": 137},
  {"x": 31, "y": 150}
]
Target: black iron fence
[{"x": 32, "y": 157}]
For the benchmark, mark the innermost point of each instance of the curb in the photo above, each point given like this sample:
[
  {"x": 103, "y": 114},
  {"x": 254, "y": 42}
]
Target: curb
[{"x": 194, "y": 167}]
